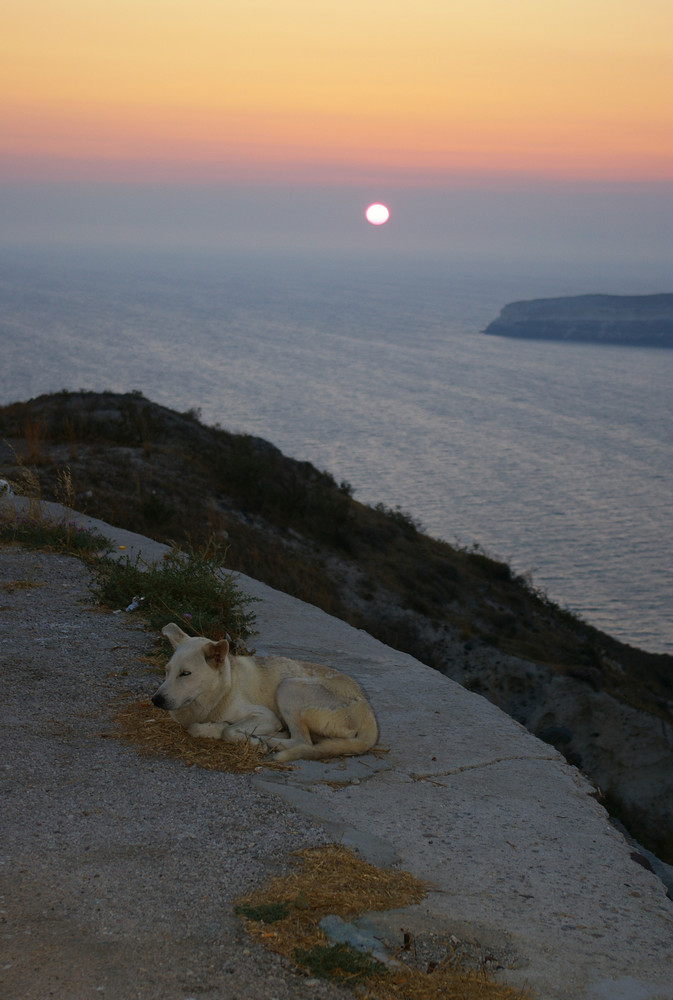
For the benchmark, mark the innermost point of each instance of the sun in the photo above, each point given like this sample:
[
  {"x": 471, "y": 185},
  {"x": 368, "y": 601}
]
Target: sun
[{"x": 377, "y": 214}]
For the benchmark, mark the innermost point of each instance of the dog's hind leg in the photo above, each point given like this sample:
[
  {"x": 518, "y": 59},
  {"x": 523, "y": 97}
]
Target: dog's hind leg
[
  {"x": 298, "y": 698},
  {"x": 321, "y": 723}
]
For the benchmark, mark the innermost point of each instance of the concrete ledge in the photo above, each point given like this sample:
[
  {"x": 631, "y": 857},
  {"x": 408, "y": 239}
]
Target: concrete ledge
[{"x": 508, "y": 834}]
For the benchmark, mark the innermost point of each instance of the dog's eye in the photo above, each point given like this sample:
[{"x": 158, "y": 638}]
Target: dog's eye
[{"x": 184, "y": 673}]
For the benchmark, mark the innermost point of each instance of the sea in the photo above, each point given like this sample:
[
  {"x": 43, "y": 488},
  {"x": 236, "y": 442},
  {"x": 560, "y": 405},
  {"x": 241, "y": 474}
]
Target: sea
[{"x": 553, "y": 456}]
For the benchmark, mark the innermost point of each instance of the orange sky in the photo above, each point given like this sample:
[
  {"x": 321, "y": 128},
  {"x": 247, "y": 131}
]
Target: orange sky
[{"x": 336, "y": 90}]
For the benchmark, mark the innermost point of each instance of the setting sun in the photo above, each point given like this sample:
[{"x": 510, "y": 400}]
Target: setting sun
[{"x": 377, "y": 214}]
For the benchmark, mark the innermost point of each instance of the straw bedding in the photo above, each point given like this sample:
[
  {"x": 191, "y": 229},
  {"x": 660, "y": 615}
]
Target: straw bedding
[{"x": 154, "y": 733}]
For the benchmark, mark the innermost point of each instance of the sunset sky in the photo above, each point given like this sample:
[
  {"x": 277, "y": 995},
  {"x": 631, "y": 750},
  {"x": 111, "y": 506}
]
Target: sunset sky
[{"x": 376, "y": 94}]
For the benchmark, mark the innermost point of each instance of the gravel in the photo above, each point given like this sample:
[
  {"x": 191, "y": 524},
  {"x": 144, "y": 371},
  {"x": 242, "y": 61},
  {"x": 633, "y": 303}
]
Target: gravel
[{"x": 118, "y": 873}]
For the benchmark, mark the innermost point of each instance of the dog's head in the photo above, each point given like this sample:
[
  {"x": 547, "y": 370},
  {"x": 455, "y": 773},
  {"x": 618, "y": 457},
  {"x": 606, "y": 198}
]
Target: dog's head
[{"x": 194, "y": 672}]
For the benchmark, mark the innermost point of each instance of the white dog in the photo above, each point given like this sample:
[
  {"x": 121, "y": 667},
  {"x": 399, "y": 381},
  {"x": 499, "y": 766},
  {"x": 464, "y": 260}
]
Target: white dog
[{"x": 299, "y": 709}]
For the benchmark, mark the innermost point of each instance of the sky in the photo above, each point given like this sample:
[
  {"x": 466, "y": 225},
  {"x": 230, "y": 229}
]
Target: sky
[{"x": 167, "y": 117}]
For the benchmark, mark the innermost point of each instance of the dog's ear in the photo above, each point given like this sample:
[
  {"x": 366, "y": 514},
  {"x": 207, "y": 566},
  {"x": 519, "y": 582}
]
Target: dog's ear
[
  {"x": 216, "y": 652},
  {"x": 174, "y": 634}
]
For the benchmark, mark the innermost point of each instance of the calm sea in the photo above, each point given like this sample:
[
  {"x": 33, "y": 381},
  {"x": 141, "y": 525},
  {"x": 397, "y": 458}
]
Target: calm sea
[{"x": 555, "y": 457}]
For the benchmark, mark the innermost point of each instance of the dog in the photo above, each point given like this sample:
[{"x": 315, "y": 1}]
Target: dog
[{"x": 299, "y": 709}]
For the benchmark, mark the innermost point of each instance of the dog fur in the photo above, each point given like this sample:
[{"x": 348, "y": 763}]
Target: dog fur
[{"x": 298, "y": 709}]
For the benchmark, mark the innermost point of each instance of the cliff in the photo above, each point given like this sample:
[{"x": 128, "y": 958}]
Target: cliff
[
  {"x": 642, "y": 320},
  {"x": 606, "y": 706}
]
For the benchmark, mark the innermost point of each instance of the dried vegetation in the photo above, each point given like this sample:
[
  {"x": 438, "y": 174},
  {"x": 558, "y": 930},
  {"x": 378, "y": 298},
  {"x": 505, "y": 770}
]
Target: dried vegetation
[
  {"x": 153, "y": 733},
  {"x": 285, "y": 917}
]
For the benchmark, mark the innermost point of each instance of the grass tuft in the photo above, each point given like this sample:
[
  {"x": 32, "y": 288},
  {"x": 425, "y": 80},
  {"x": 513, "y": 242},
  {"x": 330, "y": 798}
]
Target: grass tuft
[
  {"x": 37, "y": 532},
  {"x": 265, "y": 913},
  {"x": 338, "y": 961}
]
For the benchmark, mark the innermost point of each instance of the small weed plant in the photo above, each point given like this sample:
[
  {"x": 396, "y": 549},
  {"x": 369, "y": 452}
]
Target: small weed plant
[
  {"x": 338, "y": 961},
  {"x": 265, "y": 913},
  {"x": 189, "y": 588},
  {"x": 32, "y": 528}
]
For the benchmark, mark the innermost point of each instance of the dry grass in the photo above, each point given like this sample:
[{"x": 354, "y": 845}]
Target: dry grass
[
  {"x": 153, "y": 732},
  {"x": 65, "y": 489},
  {"x": 334, "y": 880},
  {"x": 443, "y": 983},
  {"x": 34, "y": 436},
  {"x": 13, "y": 585}
]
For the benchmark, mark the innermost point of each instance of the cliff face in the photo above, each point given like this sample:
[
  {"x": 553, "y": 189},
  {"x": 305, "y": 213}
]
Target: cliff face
[
  {"x": 645, "y": 320},
  {"x": 627, "y": 752}
]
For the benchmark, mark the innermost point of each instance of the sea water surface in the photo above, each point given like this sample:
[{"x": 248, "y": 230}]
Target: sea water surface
[{"x": 555, "y": 457}]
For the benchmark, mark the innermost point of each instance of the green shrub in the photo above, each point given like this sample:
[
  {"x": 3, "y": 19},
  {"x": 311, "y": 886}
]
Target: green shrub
[{"x": 188, "y": 588}]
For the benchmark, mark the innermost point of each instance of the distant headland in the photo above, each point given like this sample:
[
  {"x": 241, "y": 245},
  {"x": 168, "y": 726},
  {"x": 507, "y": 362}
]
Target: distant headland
[{"x": 642, "y": 320}]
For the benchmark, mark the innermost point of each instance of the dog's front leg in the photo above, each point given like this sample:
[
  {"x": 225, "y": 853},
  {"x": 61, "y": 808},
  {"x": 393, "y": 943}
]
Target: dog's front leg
[
  {"x": 256, "y": 727},
  {"x": 221, "y": 731},
  {"x": 209, "y": 730}
]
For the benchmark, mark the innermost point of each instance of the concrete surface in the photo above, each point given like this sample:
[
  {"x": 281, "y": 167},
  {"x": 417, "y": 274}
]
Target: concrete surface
[
  {"x": 518, "y": 851},
  {"x": 119, "y": 873}
]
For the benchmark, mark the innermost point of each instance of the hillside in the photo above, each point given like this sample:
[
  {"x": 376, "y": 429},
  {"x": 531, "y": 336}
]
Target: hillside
[
  {"x": 638, "y": 320},
  {"x": 142, "y": 466}
]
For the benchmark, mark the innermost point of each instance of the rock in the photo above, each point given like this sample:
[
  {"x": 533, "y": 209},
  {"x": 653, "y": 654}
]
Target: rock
[{"x": 357, "y": 935}]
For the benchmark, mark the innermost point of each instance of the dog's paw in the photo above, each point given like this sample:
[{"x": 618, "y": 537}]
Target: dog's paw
[
  {"x": 207, "y": 730},
  {"x": 230, "y": 734},
  {"x": 290, "y": 750},
  {"x": 277, "y": 742}
]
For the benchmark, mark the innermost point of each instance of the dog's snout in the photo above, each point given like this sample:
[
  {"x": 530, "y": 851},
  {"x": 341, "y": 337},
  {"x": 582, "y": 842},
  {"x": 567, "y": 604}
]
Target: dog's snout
[{"x": 159, "y": 700}]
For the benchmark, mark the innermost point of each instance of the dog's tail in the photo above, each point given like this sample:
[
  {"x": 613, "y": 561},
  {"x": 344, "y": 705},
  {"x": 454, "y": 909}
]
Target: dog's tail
[{"x": 335, "y": 746}]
